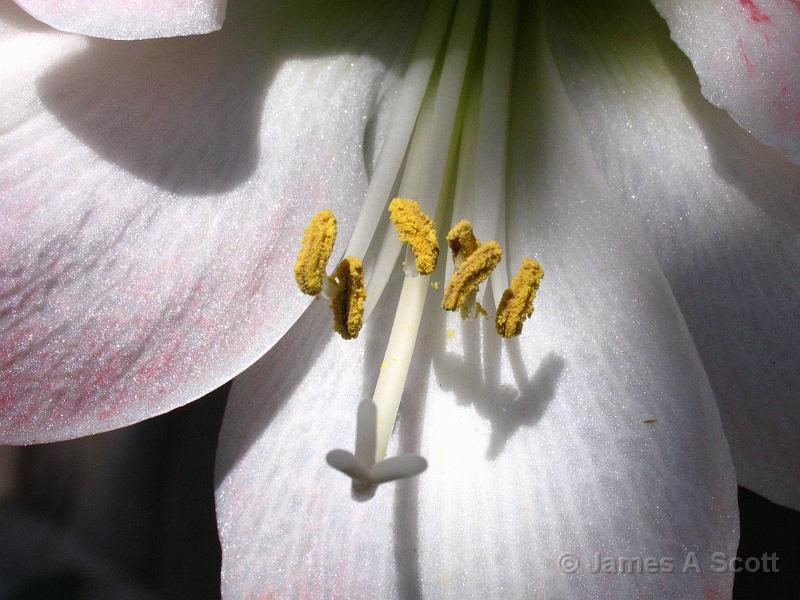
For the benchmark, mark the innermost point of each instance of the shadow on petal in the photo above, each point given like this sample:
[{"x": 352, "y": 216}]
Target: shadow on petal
[
  {"x": 179, "y": 113},
  {"x": 406, "y": 498},
  {"x": 762, "y": 173},
  {"x": 13, "y": 15},
  {"x": 185, "y": 113},
  {"x": 474, "y": 377}
]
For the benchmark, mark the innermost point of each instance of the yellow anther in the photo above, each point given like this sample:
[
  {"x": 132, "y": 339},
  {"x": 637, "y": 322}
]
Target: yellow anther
[
  {"x": 471, "y": 273},
  {"x": 462, "y": 241},
  {"x": 517, "y": 302},
  {"x": 318, "y": 239},
  {"x": 416, "y": 229},
  {"x": 347, "y": 302}
]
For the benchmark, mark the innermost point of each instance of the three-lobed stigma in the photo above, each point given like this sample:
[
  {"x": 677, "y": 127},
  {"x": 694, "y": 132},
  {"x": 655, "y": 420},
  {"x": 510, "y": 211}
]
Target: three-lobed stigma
[{"x": 416, "y": 229}]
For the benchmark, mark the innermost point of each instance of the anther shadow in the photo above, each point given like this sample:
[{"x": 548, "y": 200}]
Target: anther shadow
[
  {"x": 185, "y": 113},
  {"x": 474, "y": 378}
]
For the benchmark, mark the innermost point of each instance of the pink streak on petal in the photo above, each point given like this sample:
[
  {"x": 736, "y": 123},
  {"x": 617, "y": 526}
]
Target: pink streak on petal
[
  {"x": 745, "y": 58},
  {"x": 754, "y": 13}
]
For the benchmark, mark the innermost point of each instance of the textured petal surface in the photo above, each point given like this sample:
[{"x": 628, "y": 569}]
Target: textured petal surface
[
  {"x": 746, "y": 54},
  {"x": 721, "y": 212},
  {"x": 536, "y": 448},
  {"x": 154, "y": 194},
  {"x": 129, "y": 19}
]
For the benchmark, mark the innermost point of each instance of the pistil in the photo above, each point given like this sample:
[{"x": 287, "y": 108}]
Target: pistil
[
  {"x": 429, "y": 181},
  {"x": 432, "y": 134}
]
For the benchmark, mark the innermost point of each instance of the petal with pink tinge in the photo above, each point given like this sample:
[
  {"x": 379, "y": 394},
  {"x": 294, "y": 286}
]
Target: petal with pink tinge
[
  {"x": 745, "y": 53},
  {"x": 154, "y": 194}
]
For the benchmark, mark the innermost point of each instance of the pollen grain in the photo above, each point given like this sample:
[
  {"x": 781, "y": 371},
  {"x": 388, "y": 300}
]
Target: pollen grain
[
  {"x": 416, "y": 229},
  {"x": 347, "y": 302},
  {"x": 517, "y": 302},
  {"x": 471, "y": 273},
  {"x": 462, "y": 241},
  {"x": 315, "y": 251}
]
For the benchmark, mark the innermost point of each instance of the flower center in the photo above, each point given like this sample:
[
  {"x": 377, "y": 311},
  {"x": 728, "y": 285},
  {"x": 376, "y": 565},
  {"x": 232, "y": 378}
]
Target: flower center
[{"x": 446, "y": 147}]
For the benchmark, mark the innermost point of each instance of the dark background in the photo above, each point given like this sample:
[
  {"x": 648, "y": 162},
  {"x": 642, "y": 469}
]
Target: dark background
[{"x": 130, "y": 514}]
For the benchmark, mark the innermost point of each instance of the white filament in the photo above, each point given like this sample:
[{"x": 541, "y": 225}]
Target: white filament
[
  {"x": 427, "y": 190},
  {"x": 490, "y": 162},
  {"x": 427, "y": 161},
  {"x": 393, "y": 150}
]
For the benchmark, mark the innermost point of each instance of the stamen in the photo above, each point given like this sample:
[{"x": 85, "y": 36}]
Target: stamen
[
  {"x": 426, "y": 159},
  {"x": 409, "y": 101},
  {"x": 426, "y": 170},
  {"x": 416, "y": 229},
  {"x": 471, "y": 273},
  {"x": 349, "y": 293},
  {"x": 517, "y": 302},
  {"x": 463, "y": 244},
  {"x": 315, "y": 251},
  {"x": 462, "y": 241}
]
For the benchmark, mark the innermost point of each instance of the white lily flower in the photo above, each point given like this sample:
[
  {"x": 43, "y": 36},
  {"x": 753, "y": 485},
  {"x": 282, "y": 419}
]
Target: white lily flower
[{"x": 154, "y": 194}]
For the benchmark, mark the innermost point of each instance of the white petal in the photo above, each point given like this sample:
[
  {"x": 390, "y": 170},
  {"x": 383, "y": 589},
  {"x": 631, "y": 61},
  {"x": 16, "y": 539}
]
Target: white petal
[
  {"x": 721, "y": 212},
  {"x": 154, "y": 194},
  {"x": 129, "y": 19},
  {"x": 746, "y": 55},
  {"x": 545, "y": 453}
]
